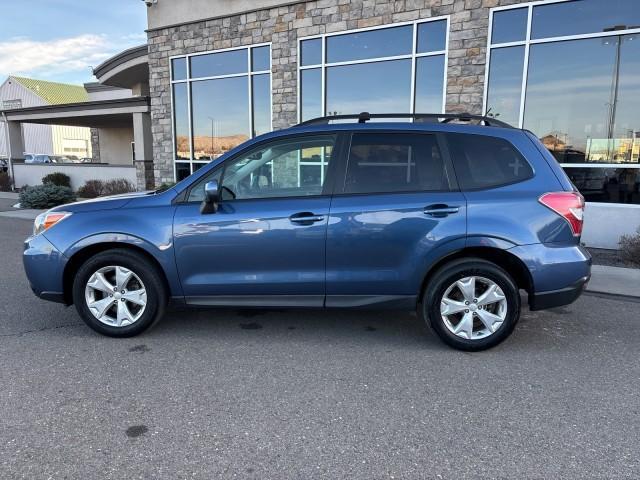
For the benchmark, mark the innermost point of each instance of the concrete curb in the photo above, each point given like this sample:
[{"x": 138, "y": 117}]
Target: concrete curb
[{"x": 615, "y": 281}]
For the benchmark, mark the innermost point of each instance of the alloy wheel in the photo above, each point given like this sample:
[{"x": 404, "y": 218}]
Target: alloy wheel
[
  {"x": 473, "y": 307},
  {"x": 116, "y": 296}
]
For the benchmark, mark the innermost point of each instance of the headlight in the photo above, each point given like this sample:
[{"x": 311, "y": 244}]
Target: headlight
[{"x": 47, "y": 220}]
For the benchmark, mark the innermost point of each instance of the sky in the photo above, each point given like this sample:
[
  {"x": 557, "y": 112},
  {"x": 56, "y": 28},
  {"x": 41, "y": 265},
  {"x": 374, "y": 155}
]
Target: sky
[{"x": 60, "y": 40}]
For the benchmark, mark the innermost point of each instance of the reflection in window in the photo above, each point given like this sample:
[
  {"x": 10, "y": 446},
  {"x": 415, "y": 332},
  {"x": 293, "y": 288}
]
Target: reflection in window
[
  {"x": 310, "y": 94},
  {"x": 572, "y": 100},
  {"x": 183, "y": 170},
  {"x": 260, "y": 59},
  {"x": 178, "y": 69},
  {"x": 505, "y": 84},
  {"x": 380, "y": 87},
  {"x": 220, "y": 115},
  {"x": 432, "y": 36},
  {"x": 583, "y": 16},
  {"x": 261, "y": 104},
  {"x": 311, "y": 52},
  {"x": 359, "y": 75},
  {"x": 181, "y": 121},
  {"x": 223, "y": 63},
  {"x": 225, "y": 110},
  {"x": 429, "y": 84},
  {"x": 383, "y": 42},
  {"x": 611, "y": 185},
  {"x": 275, "y": 170},
  {"x": 394, "y": 162},
  {"x": 509, "y": 25}
]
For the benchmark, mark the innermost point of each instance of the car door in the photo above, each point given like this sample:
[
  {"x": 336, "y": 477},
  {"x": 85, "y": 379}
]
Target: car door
[
  {"x": 396, "y": 210},
  {"x": 265, "y": 244}
]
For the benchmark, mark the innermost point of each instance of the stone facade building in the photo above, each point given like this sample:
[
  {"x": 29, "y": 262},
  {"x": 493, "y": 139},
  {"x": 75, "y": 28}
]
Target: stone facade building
[{"x": 562, "y": 68}]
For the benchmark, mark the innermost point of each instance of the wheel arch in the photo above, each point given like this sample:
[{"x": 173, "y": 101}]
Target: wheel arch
[
  {"x": 83, "y": 253},
  {"x": 503, "y": 258}
]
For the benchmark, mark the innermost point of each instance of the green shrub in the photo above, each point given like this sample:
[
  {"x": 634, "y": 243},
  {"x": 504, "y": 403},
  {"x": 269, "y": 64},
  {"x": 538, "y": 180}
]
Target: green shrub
[
  {"x": 118, "y": 186},
  {"x": 57, "y": 178},
  {"x": 46, "y": 196},
  {"x": 5, "y": 182},
  {"x": 165, "y": 186},
  {"x": 91, "y": 189},
  {"x": 630, "y": 248}
]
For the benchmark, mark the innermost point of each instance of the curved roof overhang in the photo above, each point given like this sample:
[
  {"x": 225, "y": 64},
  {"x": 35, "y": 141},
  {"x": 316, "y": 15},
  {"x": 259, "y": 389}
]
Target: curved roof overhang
[{"x": 126, "y": 69}]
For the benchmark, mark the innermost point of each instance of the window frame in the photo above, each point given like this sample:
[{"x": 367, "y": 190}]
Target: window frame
[
  {"x": 329, "y": 180},
  {"x": 249, "y": 74},
  {"x": 526, "y": 43},
  {"x": 413, "y": 56},
  {"x": 341, "y": 178}
]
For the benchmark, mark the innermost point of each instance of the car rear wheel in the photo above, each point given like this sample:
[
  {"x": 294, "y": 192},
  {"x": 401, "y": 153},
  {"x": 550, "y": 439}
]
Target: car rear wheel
[
  {"x": 119, "y": 293},
  {"x": 472, "y": 304}
]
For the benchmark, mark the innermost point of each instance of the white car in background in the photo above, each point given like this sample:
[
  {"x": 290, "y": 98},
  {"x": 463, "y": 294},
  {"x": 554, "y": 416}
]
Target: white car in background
[{"x": 37, "y": 158}]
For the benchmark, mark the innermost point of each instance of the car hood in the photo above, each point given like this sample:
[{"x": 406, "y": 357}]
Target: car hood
[{"x": 102, "y": 203}]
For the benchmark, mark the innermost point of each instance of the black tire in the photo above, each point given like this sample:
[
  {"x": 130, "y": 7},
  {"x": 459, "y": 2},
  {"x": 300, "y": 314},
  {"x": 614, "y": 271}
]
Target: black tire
[
  {"x": 429, "y": 308},
  {"x": 148, "y": 273}
]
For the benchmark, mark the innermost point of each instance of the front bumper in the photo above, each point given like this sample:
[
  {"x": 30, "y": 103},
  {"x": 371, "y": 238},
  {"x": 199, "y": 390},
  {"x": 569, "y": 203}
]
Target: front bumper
[
  {"x": 44, "y": 266},
  {"x": 557, "y": 298}
]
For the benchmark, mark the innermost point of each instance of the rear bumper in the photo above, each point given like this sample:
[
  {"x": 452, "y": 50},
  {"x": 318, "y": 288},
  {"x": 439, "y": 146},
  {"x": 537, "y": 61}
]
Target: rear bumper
[{"x": 557, "y": 298}]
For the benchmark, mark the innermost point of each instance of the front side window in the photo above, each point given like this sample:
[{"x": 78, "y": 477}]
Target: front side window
[
  {"x": 486, "y": 162},
  {"x": 285, "y": 168},
  {"x": 395, "y": 162}
]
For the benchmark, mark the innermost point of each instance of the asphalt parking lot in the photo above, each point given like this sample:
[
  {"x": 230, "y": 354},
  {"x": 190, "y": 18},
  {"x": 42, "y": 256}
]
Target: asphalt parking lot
[{"x": 299, "y": 394}]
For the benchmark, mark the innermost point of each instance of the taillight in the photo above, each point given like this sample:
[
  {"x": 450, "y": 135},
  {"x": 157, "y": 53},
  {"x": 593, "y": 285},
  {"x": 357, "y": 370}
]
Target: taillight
[{"x": 569, "y": 205}]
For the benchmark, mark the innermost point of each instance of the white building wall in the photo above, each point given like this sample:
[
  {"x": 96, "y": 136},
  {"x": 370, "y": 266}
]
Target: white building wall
[
  {"x": 78, "y": 173},
  {"x": 115, "y": 145},
  {"x": 68, "y": 140}
]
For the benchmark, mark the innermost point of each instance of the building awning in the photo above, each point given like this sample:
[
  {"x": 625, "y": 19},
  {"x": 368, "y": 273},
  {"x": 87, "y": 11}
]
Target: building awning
[
  {"x": 95, "y": 114},
  {"x": 125, "y": 69}
]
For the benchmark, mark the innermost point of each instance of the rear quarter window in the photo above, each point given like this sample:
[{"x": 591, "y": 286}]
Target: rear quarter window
[{"x": 483, "y": 162}]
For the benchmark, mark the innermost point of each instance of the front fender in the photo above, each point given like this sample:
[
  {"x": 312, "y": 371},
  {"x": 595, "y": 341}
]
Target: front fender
[{"x": 163, "y": 253}]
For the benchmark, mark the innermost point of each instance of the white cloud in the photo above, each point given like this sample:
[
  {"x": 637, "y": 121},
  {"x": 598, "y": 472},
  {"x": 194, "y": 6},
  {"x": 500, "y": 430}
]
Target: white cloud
[{"x": 23, "y": 56}]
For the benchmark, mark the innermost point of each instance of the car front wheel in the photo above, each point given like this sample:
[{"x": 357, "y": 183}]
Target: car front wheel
[
  {"x": 472, "y": 304},
  {"x": 119, "y": 293}
]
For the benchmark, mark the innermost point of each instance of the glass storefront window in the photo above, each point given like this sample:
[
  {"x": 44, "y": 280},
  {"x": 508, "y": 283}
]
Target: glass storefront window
[
  {"x": 178, "y": 69},
  {"x": 222, "y": 100},
  {"x": 583, "y": 17},
  {"x": 432, "y": 36},
  {"x": 217, "y": 64},
  {"x": 181, "y": 122},
  {"x": 505, "y": 84},
  {"x": 429, "y": 83},
  {"x": 509, "y": 25},
  {"x": 378, "y": 43},
  {"x": 311, "y": 52},
  {"x": 371, "y": 70},
  {"x": 579, "y": 93},
  {"x": 310, "y": 94},
  {"x": 379, "y": 87}
]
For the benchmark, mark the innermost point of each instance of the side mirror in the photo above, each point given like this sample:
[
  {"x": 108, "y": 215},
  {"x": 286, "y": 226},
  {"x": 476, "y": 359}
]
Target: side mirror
[{"x": 211, "y": 197}]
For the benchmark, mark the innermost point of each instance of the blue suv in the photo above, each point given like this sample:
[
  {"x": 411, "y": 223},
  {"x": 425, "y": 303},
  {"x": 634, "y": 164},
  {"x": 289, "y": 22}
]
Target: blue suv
[{"x": 448, "y": 215}]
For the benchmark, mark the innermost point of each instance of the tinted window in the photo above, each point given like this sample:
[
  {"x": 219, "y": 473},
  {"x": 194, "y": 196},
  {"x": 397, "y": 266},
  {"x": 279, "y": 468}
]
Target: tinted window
[
  {"x": 583, "y": 16},
  {"x": 310, "y": 93},
  {"x": 179, "y": 68},
  {"x": 223, "y": 63},
  {"x": 395, "y": 162},
  {"x": 284, "y": 168},
  {"x": 505, "y": 84},
  {"x": 484, "y": 162},
  {"x": 260, "y": 60},
  {"x": 509, "y": 25},
  {"x": 311, "y": 52},
  {"x": 384, "y": 42},
  {"x": 432, "y": 36},
  {"x": 429, "y": 83}
]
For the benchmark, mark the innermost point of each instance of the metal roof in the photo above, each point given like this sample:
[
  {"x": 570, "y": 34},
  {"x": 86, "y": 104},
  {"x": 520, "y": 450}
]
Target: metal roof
[{"x": 54, "y": 93}]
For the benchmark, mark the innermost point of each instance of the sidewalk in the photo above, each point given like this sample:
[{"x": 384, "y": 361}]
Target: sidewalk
[
  {"x": 9, "y": 195},
  {"x": 615, "y": 280}
]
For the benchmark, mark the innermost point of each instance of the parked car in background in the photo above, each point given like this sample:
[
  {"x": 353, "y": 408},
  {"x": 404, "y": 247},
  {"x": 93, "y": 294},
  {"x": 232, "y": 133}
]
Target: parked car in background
[
  {"x": 449, "y": 220},
  {"x": 37, "y": 158}
]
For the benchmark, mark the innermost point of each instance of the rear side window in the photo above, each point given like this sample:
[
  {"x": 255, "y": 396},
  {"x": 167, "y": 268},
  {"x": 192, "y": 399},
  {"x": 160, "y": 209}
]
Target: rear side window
[
  {"x": 485, "y": 162},
  {"x": 395, "y": 162}
]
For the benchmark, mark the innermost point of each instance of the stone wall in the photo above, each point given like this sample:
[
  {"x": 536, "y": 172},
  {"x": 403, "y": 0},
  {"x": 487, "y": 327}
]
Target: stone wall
[{"x": 282, "y": 26}]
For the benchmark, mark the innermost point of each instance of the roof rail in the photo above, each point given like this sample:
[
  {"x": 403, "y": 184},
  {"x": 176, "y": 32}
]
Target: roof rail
[{"x": 364, "y": 117}]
